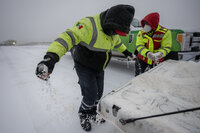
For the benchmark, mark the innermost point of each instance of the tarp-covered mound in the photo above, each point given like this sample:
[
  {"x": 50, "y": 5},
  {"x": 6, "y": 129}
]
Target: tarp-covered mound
[{"x": 169, "y": 87}]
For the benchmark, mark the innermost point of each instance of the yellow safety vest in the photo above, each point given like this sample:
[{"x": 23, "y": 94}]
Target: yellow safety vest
[
  {"x": 89, "y": 33},
  {"x": 160, "y": 42}
]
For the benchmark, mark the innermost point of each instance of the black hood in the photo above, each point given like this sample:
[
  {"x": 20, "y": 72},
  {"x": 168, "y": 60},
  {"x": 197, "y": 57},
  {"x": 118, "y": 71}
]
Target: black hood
[{"x": 118, "y": 17}]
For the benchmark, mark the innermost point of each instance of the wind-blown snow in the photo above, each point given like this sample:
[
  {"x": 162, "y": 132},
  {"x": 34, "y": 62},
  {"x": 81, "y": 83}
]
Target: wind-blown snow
[{"x": 30, "y": 105}]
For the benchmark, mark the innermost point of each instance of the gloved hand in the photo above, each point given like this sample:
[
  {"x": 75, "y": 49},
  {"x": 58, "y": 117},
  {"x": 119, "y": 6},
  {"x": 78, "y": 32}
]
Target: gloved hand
[
  {"x": 45, "y": 67},
  {"x": 128, "y": 55},
  {"x": 42, "y": 71},
  {"x": 158, "y": 55},
  {"x": 150, "y": 56}
]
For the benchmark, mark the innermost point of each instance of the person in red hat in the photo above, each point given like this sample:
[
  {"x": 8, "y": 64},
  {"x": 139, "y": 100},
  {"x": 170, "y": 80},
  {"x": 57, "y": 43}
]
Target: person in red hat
[{"x": 153, "y": 43}]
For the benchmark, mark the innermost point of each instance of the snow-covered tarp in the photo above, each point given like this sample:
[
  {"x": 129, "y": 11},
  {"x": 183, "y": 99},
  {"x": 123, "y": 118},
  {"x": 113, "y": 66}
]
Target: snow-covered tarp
[{"x": 171, "y": 86}]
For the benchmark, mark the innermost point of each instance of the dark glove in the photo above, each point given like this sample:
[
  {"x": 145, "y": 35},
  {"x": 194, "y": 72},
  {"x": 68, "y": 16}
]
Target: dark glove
[
  {"x": 46, "y": 66},
  {"x": 128, "y": 55}
]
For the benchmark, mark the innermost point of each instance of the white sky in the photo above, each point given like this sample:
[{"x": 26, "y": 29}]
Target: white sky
[{"x": 44, "y": 20}]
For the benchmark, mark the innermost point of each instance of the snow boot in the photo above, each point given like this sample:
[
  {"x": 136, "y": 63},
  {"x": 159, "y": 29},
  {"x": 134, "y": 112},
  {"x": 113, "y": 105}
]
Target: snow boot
[
  {"x": 86, "y": 121},
  {"x": 99, "y": 119}
]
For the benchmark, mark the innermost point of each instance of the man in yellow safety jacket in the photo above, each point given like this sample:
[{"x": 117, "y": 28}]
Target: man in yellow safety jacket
[
  {"x": 153, "y": 43},
  {"x": 92, "y": 39}
]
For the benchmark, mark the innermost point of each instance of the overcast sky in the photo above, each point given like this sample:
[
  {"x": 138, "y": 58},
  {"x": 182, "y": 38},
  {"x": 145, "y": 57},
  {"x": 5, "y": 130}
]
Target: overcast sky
[{"x": 44, "y": 20}]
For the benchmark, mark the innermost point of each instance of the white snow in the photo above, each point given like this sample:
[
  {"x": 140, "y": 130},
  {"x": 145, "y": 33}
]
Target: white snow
[
  {"x": 171, "y": 86},
  {"x": 30, "y": 105}
]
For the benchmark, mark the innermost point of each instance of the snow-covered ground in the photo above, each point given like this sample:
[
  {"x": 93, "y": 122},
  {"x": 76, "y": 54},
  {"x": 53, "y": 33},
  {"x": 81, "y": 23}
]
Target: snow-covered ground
[{"x": 29, "y": 105}]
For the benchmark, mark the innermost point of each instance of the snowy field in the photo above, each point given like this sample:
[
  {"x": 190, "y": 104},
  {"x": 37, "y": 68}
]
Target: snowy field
[{"x": 29, "y": 105}]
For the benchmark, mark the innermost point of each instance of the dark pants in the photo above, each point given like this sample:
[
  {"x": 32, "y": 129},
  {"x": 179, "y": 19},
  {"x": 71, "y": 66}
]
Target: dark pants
[
  {"x": 141, "y": 67},
  {"x": 91, "y": 83}
]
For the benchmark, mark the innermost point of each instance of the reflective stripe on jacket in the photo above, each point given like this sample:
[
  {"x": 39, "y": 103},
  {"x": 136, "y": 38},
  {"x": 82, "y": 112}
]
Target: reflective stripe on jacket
[
  {"x": 88, "y": 33},
  {"x": 160, "y": 42}
]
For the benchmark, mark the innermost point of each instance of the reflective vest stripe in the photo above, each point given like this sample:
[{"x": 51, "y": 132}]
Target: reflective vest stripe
[
  {"x": 168, "y": 48},
  {"x": 139, "y": 46},
  {"x": 117, "y": 46},
  {"x": 141, "y": 49},
  {"x": 94, "y": 35},
  {"x": 158, "y": 35},
  {"x": 72, "y": 37},
  {"x": 89, "y": 106},
  {"x": 92, "y": 48},
  {"x": 62, "y": 42},
  {"x": 94, "y": 38},
  {"x": 163, "y": 29},
  {"x": 107, "y": 57},
  {"x": 165, "y": 50}
]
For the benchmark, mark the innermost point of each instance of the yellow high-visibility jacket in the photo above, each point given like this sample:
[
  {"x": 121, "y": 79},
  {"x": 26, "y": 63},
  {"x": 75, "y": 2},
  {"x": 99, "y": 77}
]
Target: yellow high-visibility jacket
[
  {"x": 161, "y": 41},
  {"x": 92, "y": 44}
]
